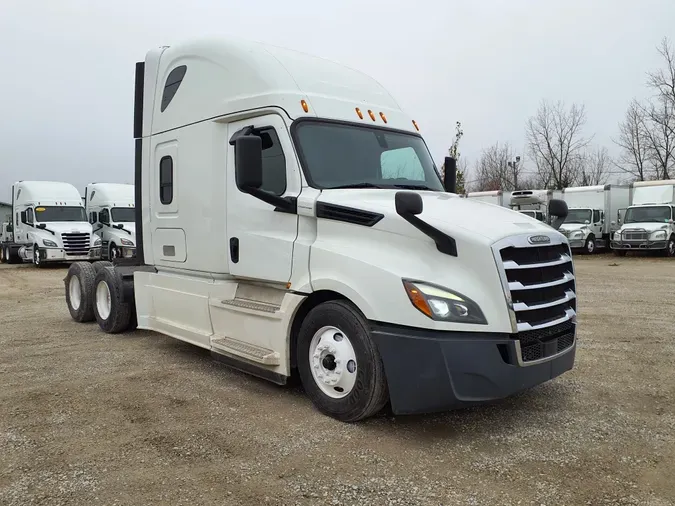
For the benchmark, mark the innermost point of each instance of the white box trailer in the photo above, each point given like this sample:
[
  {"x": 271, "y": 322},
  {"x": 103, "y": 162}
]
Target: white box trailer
[
  {"x": 533, "y": 203},
  {"x": 593, "y": 215},
  {"x": 110, "y": 210},
  {"x": 298, "y": 225},
  {"x": 648, "y": 224},
  {"x": 49, "y": 224}
]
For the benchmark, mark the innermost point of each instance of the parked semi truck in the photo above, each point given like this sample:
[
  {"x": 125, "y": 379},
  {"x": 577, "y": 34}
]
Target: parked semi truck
[
  {"x": 110, "y": 210},
  {"x": 648, "y": 222},
  {"x": 291, "y": 223},
  {"x": 6, "y": 237},
  {"x": 592, "y": 216},
  {"x": 49, "y": 224}
]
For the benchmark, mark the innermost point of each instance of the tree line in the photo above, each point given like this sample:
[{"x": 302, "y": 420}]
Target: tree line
[{"x": 559, "y": 154}]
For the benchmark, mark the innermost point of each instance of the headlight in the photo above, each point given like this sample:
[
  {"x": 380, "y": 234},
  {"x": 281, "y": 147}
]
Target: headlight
[
  {"x": 442, "y": 304},
  {"x": 97, "y": 241},
  {"x": 659, "y": 235},
  {"x": 617, "y": 236},
  {"x": 126, "y": 242},
  {"x": 52, "y": 244},
  {"x": 578, "y": 234}
]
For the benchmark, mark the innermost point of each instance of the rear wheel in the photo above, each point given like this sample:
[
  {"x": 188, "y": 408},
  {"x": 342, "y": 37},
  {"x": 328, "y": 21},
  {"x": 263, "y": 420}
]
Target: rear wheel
[
  {"x": 101, "y": 265},
  {"x": 112, "y": 315},
  {"x": 2, "y": 255},
  {"x": 339, "y": 364},
  {"x": 79, "y": 284}
]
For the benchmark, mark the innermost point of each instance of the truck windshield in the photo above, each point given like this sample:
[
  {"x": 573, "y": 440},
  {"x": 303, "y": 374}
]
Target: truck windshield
[
  {"x": 579, "y": 216},
  {"x": 651, "y": 214},
  {"x": 45, "y": 214},
  {"x": 346, "y": 156},
  {"x": 123, "y": 214}
]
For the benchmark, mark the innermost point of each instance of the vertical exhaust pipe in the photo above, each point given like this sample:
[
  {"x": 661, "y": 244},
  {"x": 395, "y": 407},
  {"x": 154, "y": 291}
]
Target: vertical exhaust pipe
[{"x": 450, "y": 176}]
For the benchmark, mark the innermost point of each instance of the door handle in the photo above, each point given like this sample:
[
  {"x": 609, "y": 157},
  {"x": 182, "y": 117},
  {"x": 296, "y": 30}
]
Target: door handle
[{"x": 234, "y": 249}]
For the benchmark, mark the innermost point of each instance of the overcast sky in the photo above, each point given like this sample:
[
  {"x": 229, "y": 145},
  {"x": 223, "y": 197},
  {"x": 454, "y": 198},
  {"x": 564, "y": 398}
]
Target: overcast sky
[{"x": 66, "y": 85}]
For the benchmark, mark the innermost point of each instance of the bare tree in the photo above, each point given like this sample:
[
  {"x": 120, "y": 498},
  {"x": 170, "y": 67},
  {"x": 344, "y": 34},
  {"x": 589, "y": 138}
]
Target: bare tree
[
  {"x": 660, "y": 136},
  {"x": 663, "y": 80},
  {"x": 633, "y": 142},
  {"x": 555, "y": 141},
  {"x": 595, "y": 166},
  {"x": 495, "y": 170}
]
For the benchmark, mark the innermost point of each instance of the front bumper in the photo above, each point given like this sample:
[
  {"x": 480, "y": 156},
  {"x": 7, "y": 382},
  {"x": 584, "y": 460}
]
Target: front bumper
[
  {"x": 128, "y": 251},
  {"x": 431, "y": 371},
  {"x": 60, "y": 255},
  {"x": 639, "y": 245},
  {"x": 577, "y": 243}
]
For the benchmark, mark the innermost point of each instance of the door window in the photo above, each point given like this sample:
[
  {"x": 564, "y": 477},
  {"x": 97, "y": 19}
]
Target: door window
[
  {"x": 104, "y": 216},
  {"x": 596, "y": 216}
]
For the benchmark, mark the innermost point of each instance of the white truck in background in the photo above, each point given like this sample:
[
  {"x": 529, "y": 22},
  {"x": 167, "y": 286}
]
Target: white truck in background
[
  {"x": 110, "y": 210},
  {"x": 648, "y": 222},
  {"x": 304, "y": 229},
  {"x": 592, "y": 216},
  {"x": 49, "y": 224},
  {"x": 533, "y": 203},
  {"x": 6, "y": 237}
]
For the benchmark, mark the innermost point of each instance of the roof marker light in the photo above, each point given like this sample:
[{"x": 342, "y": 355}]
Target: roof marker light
[
  {"x": 370, "y": 113},
  {"x": 384, "y": 118},
  {"x": 304, "y": 105},
  {"x": 415, "y": 124},
  {"x": 358, "y": 111}
]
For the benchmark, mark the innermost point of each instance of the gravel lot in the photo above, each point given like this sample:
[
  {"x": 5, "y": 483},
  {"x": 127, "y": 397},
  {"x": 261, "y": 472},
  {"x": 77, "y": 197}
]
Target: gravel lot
[{"x": 87, "y": 418}]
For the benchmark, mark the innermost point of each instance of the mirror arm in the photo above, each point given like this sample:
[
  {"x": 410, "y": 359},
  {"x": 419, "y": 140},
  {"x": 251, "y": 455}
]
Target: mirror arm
[
  {"x": 444, "y": 243},
  {"x": 282, "y": 204}
]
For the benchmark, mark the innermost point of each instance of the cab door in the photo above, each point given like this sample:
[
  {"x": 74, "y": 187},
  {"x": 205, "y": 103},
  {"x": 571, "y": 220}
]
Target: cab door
[{"x": 260, "y": 240}]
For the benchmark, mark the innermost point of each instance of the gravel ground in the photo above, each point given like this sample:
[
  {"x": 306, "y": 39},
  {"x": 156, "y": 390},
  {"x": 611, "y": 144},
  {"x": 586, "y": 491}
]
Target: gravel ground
[{"x": 88, "y": 418}]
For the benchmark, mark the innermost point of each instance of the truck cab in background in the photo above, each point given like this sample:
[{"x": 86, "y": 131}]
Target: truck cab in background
[
  {"x": 49, "y": 224},
  {"x": 110, "y": 210},
  {"x": 533, "y": 203},
  {"x": 291, "y": 220},
  {"x": 648, "y": 224},
  {"x": 592, "y": 215}
]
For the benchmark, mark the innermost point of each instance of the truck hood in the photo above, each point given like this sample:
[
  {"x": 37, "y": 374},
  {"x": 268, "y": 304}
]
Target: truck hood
[
  {"x": 570, "y": 227},
  {"x": 66, "y": 227},
  {"x": 648, "y": 226},
  {"x": 131, "y": 227},
  {"x": 457, "y": 216}
]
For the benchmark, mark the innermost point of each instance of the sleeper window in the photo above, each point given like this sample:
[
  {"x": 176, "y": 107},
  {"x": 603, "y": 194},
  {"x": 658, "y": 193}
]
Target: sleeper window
[{"x": 166, "y": 180}]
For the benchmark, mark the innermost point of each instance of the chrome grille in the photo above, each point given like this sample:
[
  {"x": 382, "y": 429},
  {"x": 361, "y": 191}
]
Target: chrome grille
[
  {"x": 540, "y": 283},
  {"x": 634, "y": 235},
  {"x": 76, "y": 243}
]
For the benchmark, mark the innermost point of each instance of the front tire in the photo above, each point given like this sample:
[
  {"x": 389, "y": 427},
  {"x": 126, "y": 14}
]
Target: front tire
[
  {"x": 37, "y": 261},
  {"x": 589, "y": 247},
  {"x": 80, "y": 291},
  {"x": 112, "y": 315},
  {"x": 670, "y": 247},
  {"x": 339, "y": 364}
]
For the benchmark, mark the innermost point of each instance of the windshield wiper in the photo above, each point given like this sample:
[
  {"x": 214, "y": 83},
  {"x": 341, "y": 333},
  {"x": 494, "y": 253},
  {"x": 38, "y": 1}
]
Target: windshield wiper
[
  {"x": 356, "y": 185},
  {"x": 415, "y": 187}
]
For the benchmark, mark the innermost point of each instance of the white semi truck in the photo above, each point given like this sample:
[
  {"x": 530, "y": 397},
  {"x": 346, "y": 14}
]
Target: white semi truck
[
  {"x": 110, "y": 210},
  {"x": 648, "y": 223},
  {"x": 593, "y": 212},
  {"x": 291, "y": 220},
  {"x": 49, "y": 224}
]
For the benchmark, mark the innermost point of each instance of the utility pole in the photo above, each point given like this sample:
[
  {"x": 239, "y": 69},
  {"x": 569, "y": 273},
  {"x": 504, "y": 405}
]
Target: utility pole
[{"x": 514, "y": 167}]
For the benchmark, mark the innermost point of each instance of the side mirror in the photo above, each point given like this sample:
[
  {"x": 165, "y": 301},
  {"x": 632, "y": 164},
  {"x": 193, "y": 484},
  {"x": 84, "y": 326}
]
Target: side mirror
[
  {"x": 450, "y": 175},
  {"x": 248, "y": 161},
  {"x": 41, "y": 226},
  {"x": 93, "y": 217},
  {"x": 23, "y": 217},
  {"x": 10, "y": 227},
  {"x": 408, "y": 203},
  {"x": 557, "y": 210}
]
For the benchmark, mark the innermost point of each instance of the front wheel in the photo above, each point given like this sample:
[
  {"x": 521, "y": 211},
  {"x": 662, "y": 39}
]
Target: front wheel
[
  {"x": 589, "y": 247},
  {"x": 37, "y": 261},
  {"x": 339, "y": 364},
  {"x": 670, "y": 248}
]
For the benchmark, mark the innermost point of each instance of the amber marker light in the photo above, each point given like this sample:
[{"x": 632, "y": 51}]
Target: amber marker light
[
  {"x": 304, "y": 105},
  {"x": 358, "y": 111},
  {"x": 417, "y": 298},
  {"x": 384, "y": 118},
  {"x": 415, "y": 125},
  {"x": 370, "y": 113}
]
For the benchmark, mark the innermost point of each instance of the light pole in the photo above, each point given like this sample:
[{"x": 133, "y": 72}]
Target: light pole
[{"x": 514, "y": 167}]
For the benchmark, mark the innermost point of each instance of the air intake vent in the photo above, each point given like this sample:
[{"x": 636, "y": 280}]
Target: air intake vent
[{"x": 347, "y": 214}]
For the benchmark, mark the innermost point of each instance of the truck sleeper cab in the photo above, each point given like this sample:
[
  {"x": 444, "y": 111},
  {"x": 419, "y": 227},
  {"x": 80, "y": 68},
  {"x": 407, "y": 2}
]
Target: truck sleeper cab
[
  {"x": 49, "y": 224},
  {"x": 291, "y": 220},
  {"x": 110, "y": 210}
]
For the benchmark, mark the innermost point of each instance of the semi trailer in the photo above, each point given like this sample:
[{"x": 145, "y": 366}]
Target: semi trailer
[
  {"x": 648, "y": 222},
  {"x": 110, "y": 210},
  {"x": 593, "y": 214},
  {"x": 291, "y": 220},
  {"x": 48, "y": 225}
]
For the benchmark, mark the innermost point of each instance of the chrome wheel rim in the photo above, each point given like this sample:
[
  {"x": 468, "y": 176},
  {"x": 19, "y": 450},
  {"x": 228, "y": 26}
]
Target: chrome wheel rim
[
  {"x": 332, "y": 360},
  {"x": 75, "y": 293},
  {"x": 103, "y": 300}
]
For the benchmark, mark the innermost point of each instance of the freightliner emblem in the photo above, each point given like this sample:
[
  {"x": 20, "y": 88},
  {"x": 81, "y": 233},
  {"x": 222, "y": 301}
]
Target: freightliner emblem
[{"x": 539, "y": 239}]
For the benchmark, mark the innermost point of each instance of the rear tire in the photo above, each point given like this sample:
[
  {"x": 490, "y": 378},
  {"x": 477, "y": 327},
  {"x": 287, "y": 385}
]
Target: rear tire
[
  {"x": 339, "y": 364},
  {"x": 101, "y": 265},
  {"x": 112, "y": 315},
  {"x": 79, "y": 283},
  {"x": 2, "y": 255}
]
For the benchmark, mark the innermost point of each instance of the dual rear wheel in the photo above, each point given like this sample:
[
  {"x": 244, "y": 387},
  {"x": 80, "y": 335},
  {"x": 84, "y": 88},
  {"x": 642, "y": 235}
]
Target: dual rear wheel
[{"x": 95, "y": 292}]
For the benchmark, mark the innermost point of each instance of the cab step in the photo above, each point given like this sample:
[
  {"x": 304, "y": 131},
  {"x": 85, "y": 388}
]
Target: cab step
[
  {"x": 254, "y": 305},
  {"x": 248, "y": 351}
]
